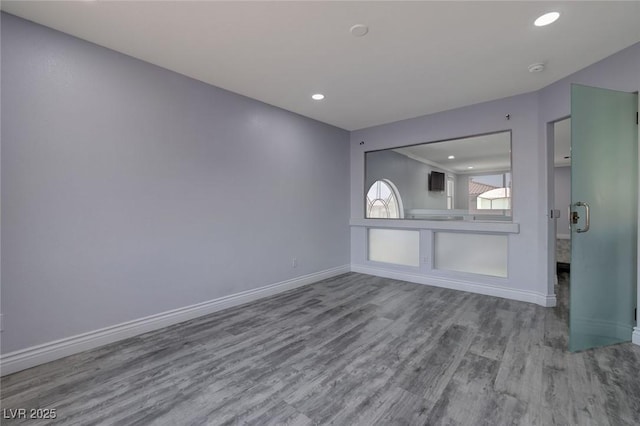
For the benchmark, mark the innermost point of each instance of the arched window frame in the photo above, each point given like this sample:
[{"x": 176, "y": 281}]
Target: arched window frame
[{"x": 394, "y": 197}]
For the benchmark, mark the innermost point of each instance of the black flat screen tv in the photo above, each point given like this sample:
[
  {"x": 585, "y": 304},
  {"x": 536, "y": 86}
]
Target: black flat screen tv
[{"x": 436, "y": 181}]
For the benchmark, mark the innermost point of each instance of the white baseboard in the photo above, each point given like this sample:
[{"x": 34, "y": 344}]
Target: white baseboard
[
  {"x": 456, "y": 284},
  {"x": 635, "y": 337},
  {"x": 40, "y": 354}
]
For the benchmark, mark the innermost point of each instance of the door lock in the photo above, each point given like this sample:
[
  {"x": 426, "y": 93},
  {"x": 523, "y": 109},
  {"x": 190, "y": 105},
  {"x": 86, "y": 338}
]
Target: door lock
[{"x": 574, "y": 217}]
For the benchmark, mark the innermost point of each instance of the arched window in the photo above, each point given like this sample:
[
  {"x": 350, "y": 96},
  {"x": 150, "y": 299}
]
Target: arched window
[{"x": 383, "y": 201}]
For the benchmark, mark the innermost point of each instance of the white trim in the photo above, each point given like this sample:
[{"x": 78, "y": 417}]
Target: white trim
[
  {"x": 635, "y": 337},
  {"x": 563, "y": 236},
  {"x": 50, "y": 351},
  {"x": 396, "y": 194},
  {"x": 458, "y": 284},
  {"x": 449, "y": 225}
]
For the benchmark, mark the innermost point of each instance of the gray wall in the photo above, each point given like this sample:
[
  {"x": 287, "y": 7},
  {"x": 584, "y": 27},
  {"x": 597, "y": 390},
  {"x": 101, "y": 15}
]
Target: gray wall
[
  {"x": 462, "y": 192},
  {"x": 410, "y": 177},
  {"x": 620, "y": 71},
  {"x": 129, "y": 190},
  {"x": 531, "y": 251},
  {"x": 488, "y": 117},
  {"x": 562, "y": 184}
]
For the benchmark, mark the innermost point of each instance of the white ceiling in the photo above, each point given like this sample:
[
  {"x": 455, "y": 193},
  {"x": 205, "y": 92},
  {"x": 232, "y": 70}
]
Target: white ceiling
[
  {"x": 483, "y": 153},
  {"x": 418, "y": 58}
]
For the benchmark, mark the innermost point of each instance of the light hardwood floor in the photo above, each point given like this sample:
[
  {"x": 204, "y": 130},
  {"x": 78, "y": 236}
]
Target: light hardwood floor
[{"x": 354, "y": 349}]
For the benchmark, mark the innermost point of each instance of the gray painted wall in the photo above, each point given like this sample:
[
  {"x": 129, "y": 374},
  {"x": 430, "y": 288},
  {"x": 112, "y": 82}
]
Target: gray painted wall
[
  {"x": 483, "y": 118},
  {"x": 462, "y": 192},
  {"x": 410, "y": 177},
  {"x": 531, "y": 266},
  {"x": 562, "y": 199},
  {"x": 620, "y": 71},
  {"x": 129, "y": 190}
]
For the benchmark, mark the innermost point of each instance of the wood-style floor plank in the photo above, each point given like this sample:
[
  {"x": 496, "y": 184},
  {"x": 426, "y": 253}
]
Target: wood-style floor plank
[{"x": 350, "y": 350}]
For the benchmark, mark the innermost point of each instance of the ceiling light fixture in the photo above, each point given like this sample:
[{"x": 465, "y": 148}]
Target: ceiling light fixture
[
  {"x": 451, "y": 157},
  {"x": 317, "y": 97},
  {"x": 359, "y": 30},
  {"x": 546, "y": 19},
  {"x": 470, "y": 167},
  {"x": 537, "y": 67}
]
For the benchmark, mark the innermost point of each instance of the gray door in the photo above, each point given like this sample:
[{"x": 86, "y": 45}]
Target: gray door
[{"x": 604, "y": 206}]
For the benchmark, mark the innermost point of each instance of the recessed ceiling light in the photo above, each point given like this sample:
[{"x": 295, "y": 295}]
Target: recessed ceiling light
[
  {"x": 451, "y": 157},
  {"x": 470, "y": 167},
  {"x": 546, "y": 19},
  {"x": 317, "y": 97}
]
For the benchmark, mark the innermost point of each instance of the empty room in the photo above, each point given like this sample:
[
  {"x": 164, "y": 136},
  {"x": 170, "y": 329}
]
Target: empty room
[{"x": 319, "y": 212}]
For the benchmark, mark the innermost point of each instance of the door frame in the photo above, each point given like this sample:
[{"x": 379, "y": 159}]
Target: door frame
[
  {"x": 635, "y": 337},
  {"x": 551, "y": 192}
]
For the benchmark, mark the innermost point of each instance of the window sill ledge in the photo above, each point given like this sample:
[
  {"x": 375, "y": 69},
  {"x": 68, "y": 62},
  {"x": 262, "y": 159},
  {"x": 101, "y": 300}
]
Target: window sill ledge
[{"x": 440, "y": 225}]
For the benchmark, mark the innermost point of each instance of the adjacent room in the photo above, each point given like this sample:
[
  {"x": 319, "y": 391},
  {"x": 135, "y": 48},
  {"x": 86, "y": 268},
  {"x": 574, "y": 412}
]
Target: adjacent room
[{"x": 313, "y": 212}]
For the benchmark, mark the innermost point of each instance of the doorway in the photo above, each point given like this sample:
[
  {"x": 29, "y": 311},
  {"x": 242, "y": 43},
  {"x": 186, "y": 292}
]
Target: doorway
[
  {"x": 562, "y": 194},
  {"x": 560, "y": 131}
]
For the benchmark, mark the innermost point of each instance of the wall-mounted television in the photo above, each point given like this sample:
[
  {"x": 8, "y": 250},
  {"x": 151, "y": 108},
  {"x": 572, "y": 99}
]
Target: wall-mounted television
[{"x": 436, "y": 181}]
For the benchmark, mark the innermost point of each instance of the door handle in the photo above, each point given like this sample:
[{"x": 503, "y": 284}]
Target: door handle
[{"x": 573, "y": 217}]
